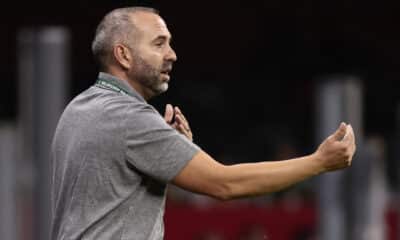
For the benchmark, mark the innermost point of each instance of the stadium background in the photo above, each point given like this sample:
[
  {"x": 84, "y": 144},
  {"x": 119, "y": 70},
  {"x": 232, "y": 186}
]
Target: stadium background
[{"x": 247, "y": 78}]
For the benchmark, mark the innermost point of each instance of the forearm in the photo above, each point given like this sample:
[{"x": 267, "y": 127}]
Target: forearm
[
  {"x": 251, "y": 179},
  {"x": 204, "y": 175}
]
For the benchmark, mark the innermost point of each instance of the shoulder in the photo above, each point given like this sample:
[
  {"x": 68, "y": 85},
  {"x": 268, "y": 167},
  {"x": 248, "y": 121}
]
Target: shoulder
[
  {"x": 138, "y": 112},
  {"x": 108, "y": 102}
]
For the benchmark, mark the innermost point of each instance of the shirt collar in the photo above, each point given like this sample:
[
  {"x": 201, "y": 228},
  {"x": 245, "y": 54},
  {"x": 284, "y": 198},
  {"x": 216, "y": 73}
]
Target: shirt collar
[{"x": 120, "y": 84}]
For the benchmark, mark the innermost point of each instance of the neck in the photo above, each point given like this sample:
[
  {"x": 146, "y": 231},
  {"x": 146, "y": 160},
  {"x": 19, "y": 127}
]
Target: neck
[{"x": 134, "y": 84}]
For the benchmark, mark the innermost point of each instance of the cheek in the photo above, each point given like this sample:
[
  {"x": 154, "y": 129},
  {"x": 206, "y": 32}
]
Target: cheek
[
  {"x": 153, "y": 62},
  {"x": 156, "y": 55},
  {"x": 157, "y": 59},
  {"x": 147, "y": 54}
]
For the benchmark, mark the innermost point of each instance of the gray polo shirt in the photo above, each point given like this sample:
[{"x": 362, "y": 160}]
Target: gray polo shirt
[{"x": 112, "y": 157}]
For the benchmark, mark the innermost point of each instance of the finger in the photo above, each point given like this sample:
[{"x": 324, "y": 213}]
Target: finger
[
  {"x": 349, "y": 140},
  {"x": 352, "y": 138},
  {"x": 346, "y": 137},
  {"x": 178, "y": 111},
  {"x": 184, "y": 128},
  {"x": 353, "y": 135},
  {"x": 174, "y": 125},
  {"x": 169, "y": 113},
  {"x": 180, "y": 120},
  {"x": 181, "y": 128},
  {"x": 349, "y": 161},
  {"x": 349, "y": 134},
  {"x": 183, "y": 125},
  {"x": 340, "y": 132},
  {"x": 178, "y": 125}
]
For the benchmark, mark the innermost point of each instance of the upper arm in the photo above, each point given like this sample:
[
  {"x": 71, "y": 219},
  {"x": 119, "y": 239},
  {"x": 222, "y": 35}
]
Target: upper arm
[
  {"x": 153, "y": 147},
  {"x": 202, "y": 174}
]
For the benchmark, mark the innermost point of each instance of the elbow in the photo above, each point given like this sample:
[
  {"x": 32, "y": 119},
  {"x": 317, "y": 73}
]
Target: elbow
[
  {"x": 220, "y": 196},
  {"x": 225, "y": 188},
  {"x": 223, "y": 192}
]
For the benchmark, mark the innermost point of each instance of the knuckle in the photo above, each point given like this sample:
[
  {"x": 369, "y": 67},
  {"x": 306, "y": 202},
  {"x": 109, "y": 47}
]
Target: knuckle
[
  {"x": 343, "y": 149},
  {"x": 348, "y": 162}
]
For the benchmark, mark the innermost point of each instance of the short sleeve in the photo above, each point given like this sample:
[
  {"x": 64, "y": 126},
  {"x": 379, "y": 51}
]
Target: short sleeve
[{"x": 154, "y": 147}]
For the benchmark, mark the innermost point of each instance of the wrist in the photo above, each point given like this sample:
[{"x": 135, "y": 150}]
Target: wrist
[{"x": 318, "y": 165}]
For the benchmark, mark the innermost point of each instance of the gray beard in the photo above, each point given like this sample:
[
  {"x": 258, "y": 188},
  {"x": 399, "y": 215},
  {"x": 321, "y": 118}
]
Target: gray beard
[{"x": 148, "y": 76}]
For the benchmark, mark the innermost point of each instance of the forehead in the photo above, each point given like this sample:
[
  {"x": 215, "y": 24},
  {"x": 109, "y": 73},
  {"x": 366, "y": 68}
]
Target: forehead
[{"x": 151, "y": 25}]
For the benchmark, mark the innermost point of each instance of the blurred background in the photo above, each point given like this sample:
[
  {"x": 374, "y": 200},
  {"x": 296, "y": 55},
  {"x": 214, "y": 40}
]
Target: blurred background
[{"x": 261, "y": 80}]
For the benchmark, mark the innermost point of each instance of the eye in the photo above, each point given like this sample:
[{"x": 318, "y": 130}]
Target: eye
[{"x": 159, "y": 44}]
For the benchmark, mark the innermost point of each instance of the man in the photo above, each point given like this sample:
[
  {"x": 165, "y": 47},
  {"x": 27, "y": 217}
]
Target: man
[{"x": 113, "y": 154}]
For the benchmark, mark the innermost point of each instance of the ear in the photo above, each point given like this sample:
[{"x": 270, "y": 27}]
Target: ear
[{"x": 122, "y": 56}]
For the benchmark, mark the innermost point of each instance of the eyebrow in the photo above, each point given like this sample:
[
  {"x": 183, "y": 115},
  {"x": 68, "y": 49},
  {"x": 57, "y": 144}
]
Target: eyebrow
[{"x": 162, "y": 37}]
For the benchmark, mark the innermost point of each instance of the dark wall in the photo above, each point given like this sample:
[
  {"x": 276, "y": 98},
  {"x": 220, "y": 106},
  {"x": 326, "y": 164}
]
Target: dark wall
[{"x": 246, "y": 71}]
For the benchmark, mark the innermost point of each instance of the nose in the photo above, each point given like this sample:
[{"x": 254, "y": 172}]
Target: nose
[{"x": 171, "y": 55}]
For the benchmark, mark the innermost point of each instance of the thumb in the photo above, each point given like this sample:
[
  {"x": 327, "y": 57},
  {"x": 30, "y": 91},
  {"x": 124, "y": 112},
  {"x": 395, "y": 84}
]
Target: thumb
[
  {"x": 349, "y": 134},
  {"x": 169, "y": 113},
  {"x": 340, "y": 132}
]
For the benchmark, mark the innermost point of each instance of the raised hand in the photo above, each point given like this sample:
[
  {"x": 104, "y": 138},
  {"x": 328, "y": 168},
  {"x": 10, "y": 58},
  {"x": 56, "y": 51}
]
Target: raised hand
[
  {"x": 336, "y": 152},
  {"x": 180, "y": 123}
]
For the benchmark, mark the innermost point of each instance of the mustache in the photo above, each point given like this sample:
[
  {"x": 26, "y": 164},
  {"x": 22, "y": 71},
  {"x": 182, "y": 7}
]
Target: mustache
[{"x": 167, "y": 66}]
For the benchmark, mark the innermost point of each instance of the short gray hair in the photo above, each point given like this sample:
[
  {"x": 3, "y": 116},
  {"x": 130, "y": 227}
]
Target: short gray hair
[{"x": 116, "y": 27}]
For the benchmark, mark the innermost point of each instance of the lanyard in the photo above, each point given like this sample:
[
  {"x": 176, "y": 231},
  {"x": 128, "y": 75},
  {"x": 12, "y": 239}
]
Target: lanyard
[{"x": 101, "y": 83}]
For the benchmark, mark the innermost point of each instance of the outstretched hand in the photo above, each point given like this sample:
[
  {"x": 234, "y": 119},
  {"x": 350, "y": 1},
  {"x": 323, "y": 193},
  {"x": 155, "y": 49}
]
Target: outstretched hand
[
  {"x": 174, "y": 117},
  {"x": 337, "y": 151}
]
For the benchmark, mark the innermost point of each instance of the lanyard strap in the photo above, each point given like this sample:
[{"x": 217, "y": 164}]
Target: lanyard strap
[{"x": 101, "y": 83}]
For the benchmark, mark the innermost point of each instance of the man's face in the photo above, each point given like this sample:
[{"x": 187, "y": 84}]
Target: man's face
[{"x": 152, "y": 54}]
